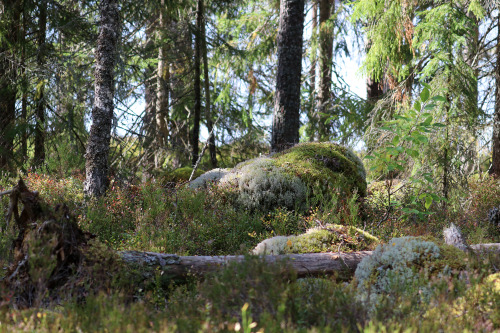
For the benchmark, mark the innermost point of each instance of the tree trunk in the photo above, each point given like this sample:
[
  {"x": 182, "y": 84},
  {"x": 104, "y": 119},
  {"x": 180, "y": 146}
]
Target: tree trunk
[
  {"x": 24, "y": 98},
  {"x": 96, "y": 165},
  {"x": 311, "y": 113},
  {"x": 39, "y": 158},
  {"x": 150, "y": 94},
  {"x": 197, "y": 82},
  {"x": 308, "y": 264},
  {"x": 374, "y": 89},
  {"x": 10, "y": 11},
  {"x": 162, "y": 88},
  {"x": 495, "y": 162},
  {"x": 325, "y": 59},
  {"x": 286, "y": 118},
  {"x": 208, "y": 112}
]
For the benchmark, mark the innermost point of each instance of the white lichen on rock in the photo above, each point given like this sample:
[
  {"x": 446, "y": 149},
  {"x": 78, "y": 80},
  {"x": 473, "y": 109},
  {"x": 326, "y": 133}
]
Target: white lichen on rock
[
  {"x": 212, "y": 176},
  {"x": 261, "y": 185},
  {"x": 396, "y": 268}
]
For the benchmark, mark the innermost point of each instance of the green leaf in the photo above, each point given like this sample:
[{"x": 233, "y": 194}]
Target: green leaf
[
  {"x": 426, "y": 85},
  {"x": 424, "y": 95},
  {"x": 430, "y": 106},
  {"x": 395, "y": 140},
  {"x": 438, "y": 125},
  {"x": 413, "y": 153},
  {"x": 428, "y": 202},
  {"x": 370, "y": 157},
  {"x": 417, "y": 106},
  {"x": 439, "y": 99},
  {"x": 429, "y": 179},
  {"x": 422, "y": 138}
]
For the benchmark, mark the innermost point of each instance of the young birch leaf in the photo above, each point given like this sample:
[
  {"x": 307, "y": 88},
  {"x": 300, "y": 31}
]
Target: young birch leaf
[
  {"x": 428, "y": 202},
  {"x": 424, "y": 95}
]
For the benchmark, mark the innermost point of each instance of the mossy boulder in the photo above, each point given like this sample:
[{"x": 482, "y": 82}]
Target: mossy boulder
[
  {"x": 327, "y": 165},
  {"x": 308, "y": 173},
  {"x": 178, "y": 175},
  {"x": 329, "y": 238}
]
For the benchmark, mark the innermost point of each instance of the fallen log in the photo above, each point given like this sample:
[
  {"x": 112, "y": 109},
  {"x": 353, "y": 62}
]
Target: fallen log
[{"x": 310, "y": 264}]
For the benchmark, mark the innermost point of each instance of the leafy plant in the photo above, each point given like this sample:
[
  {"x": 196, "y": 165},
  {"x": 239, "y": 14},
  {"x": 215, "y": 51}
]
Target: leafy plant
[{"x": 402, "y": 141}]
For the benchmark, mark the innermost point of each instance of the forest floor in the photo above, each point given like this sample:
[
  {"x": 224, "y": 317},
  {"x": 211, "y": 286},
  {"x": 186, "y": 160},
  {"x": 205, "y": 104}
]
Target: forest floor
[{"x": 250, "y": 296}]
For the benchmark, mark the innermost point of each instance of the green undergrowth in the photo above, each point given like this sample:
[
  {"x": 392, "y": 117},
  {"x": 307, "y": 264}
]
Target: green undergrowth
[{"x": 253, "y": 296}]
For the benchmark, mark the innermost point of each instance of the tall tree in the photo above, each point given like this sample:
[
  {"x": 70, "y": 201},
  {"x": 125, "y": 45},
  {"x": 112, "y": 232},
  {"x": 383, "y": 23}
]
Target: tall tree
[
  {"x": 495, "y": 162},
  {"x": 286, "y": 121},
  {"x": 40, "y": 98},
  {"x": 162, "y": 87},
  {"x": 311, "y": 111},
  {"x": 325, "y": 59},
  {"x": 197, "y": 82},
  {"x": 10, "y": 12},
  {"x": 208, "y": 112},
  {"x": 96, "y": 164}
]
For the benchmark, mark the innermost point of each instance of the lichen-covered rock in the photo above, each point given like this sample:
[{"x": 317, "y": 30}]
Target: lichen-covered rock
[
  {"x": 305, "y": 173},
  {"x": 329, "y": 238},
  {"x": 209, "y": 177},
  {"x": 404, "y": 265}
]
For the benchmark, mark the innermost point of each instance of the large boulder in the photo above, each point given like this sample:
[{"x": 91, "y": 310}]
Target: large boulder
[{"x": 294, "y": 179}]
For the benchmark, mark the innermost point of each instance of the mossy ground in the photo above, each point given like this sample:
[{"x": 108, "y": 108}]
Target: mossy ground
[{"x": 150, "y": 217}]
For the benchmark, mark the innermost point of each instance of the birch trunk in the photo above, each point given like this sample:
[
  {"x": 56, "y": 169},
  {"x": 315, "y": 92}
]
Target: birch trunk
[
  {"x": 96, "y": 166},
  {"x": 495, "y": 163}
]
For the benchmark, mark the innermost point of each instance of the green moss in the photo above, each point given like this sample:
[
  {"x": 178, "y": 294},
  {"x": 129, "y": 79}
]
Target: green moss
[
  {"x": 326, "y": 165},
  {"x": 333, "y": 238},
  {"x": 450, "y": 256},
  {"x": 179, "y": 175},
  {"x": 330, "y": 238}
]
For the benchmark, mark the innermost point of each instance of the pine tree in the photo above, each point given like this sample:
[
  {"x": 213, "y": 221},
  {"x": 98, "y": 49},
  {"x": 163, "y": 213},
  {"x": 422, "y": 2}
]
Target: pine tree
[{"x": 286, "y": 122}]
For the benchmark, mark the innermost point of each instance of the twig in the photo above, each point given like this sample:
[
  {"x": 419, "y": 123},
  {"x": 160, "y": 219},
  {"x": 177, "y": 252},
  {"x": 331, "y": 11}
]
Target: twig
[{"x": 6, "y": 192}]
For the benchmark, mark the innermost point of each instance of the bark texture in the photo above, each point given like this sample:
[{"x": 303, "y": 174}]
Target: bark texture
[
  {"x": 40, "y": 98},
  {"x": 162, "y": 112},
  {"x": 197, "y": 83},
  {"x": 96, "y": 165},
  {"x": 149, "y": 120},
  {"x": 286, "y": 121},
  {"x": 10, "y": 11},
  {"x": 310, "y": 264},
  {"x": 311, "y": 112},
  {"x": 208, "y": 111},
  {"x": 495, "y": 161},
  {"x": 325, "y": 59}
]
